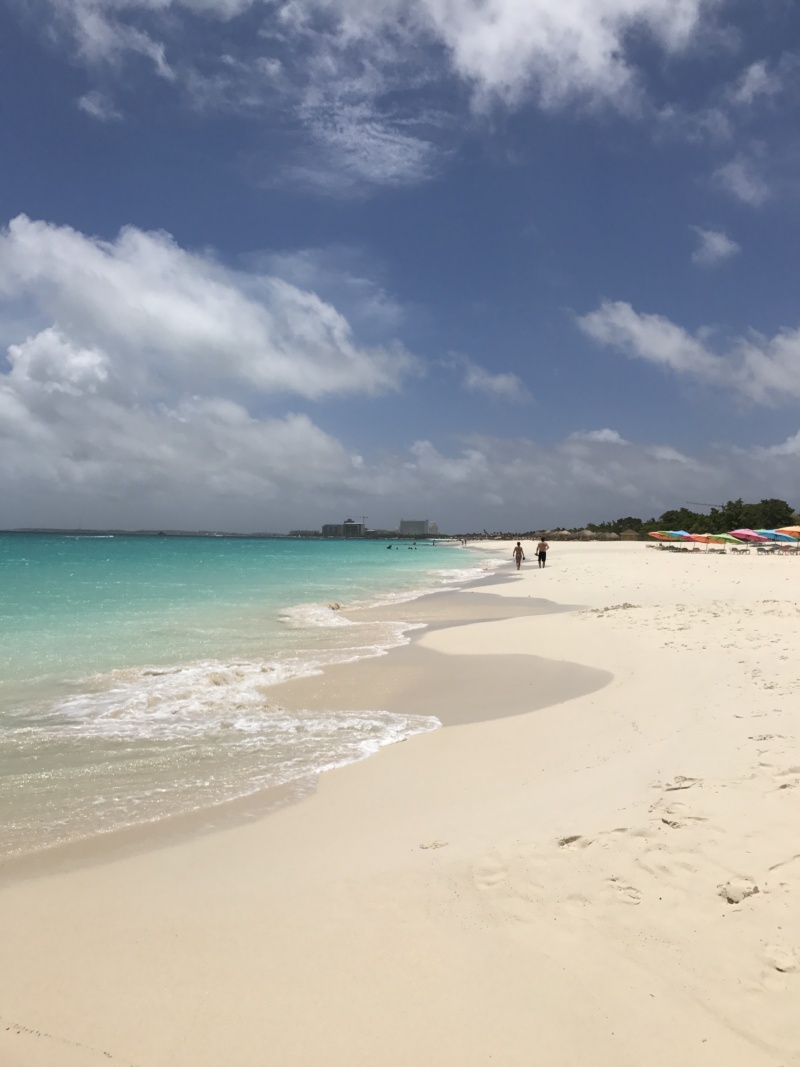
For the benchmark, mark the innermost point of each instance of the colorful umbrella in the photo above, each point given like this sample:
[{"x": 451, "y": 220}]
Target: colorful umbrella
[
  {"x": 664, "y": 535},
  {"x": 748, "y": 535},
  {"x": 776, "y": 535},
  {"x": 706, "y": 539},
  {"x": 727, "y": 539},
  {"x": 793, "y": 531}
]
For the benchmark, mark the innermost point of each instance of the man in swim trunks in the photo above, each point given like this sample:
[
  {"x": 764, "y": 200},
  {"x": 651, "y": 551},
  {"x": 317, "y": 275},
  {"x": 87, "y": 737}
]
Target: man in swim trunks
[
  {"x": 541, "y": 552},
  {"x": 518, "y": 555}
]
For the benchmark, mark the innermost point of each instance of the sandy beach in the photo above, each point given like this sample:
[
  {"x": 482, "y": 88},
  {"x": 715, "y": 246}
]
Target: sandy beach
[{"x": 595, "y": 861}]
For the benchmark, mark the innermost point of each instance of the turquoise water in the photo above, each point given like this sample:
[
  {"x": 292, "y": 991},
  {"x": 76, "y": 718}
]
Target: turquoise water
[{"x": 136, "y": 673}]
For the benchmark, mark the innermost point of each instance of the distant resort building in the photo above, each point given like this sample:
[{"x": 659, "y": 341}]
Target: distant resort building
[
  {"x": 348, "y": 528},
  {"x": 418, "y": 528},
  {"x": 351, "y": 528}
]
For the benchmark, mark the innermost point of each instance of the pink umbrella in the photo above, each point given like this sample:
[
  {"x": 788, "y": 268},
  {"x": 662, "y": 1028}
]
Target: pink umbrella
[{"x": 748, "y": 535}]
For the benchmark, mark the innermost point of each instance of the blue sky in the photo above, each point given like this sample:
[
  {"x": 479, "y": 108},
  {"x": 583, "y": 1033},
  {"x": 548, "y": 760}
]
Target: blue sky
[{"x": 505, "y": 264}]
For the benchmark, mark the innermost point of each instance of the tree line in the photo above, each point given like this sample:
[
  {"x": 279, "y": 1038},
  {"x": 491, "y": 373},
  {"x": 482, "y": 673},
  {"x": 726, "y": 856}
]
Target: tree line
[{"x": 735, "y": 515}]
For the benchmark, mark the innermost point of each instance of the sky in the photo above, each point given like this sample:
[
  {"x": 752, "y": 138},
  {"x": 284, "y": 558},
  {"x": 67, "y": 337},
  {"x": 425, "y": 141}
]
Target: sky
[{"x": 502, "y": 264}]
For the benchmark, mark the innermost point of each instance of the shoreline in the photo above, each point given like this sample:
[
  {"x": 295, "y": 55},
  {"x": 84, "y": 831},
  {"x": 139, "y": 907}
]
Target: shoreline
[
  {"x": 394, "y": 680},
  {"x": 315, "y": 649},
  {"x": 563, "y": 885}
]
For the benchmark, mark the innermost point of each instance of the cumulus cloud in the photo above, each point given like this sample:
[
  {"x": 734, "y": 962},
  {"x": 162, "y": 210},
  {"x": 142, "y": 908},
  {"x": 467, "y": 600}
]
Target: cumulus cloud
[
  {"x": 743, "y": 180},
  {"x": 345, "y": 276},
  {"x": 162, "y": 314},
  {"x": 99, "y": 106},
  {"x": 714, "y": 246},
  {"x": 135, "y": 382},
  {"x": 497, "y": 386},
  {"x": 765, "y": 370},
  {"x": 762, "y": 81},
  {"x": 72, "y": 452},
  {"x": 606, "y": 436}
]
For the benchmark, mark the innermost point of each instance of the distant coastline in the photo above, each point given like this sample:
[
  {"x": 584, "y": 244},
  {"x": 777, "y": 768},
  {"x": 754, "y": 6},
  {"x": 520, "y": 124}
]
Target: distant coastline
[{"x": 212, "y": 533}]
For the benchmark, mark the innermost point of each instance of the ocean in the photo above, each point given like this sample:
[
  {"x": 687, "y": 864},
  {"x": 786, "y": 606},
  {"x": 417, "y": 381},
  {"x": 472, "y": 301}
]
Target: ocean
[{"x": 137, "y": 673}]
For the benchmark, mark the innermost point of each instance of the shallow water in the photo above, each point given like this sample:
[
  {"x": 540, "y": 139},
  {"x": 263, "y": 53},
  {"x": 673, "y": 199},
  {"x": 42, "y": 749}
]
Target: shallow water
[{"x": 136, "y": 674}]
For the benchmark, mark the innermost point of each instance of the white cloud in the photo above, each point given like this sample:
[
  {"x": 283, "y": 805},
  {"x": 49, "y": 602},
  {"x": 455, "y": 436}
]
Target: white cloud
[
  {"x": 344, "y": 276},
  {"x": 75, "y": 451},
  {"x": 652, "y": 338},
  {"x": 714, "y": 246},
  {"x": 497, "y": 386},
  {"x": 160, "y": 314},
  {"x": 103, "y": 37},
  {"x": 132, "y": 386},
  {"x": 608, "y": 437},
  {"x": 760, "y": 81},
  {"x": 357, "y": 147},
  {"x": 741, "y": 178},
  {"x": 504, "y": 48},
  {"x": 710, "y": 124},
  {"x": 357, "y": 74},
  {"x": 764, "y": 370},
  {"x": 99, "y": 106},
  {"x": 789, "y": 447},
  {"x": 574, "y": 49}
]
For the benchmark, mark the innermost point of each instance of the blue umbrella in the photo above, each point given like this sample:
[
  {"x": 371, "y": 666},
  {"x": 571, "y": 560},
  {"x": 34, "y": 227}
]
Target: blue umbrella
[{"x": 773, "y": 535}]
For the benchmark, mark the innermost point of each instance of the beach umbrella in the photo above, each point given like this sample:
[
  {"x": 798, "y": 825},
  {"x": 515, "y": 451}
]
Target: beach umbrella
[
  {"x": 777, "y": 535},
  {"x": 748, "y": 535},
  {"x": 727, "y": 539},
  {"x": 705, "y": 539},
  {"x": 670, "y": 535},
  {"x": 794, "y": 531}
]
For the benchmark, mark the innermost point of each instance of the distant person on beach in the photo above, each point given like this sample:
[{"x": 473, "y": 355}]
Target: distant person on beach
[
  {"x": 541, "y": 552},
  {"x": 518, "y": 555}
]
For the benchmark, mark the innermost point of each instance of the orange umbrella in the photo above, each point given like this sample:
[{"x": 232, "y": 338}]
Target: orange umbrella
[{"x": 794, "y": 531}]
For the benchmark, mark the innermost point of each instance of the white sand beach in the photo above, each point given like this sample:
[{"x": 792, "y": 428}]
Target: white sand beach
[{"x": 604, "y": 870}]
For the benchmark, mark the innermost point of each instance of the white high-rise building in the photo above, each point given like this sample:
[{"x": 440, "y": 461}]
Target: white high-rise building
[{"x": 414, "y": 527}]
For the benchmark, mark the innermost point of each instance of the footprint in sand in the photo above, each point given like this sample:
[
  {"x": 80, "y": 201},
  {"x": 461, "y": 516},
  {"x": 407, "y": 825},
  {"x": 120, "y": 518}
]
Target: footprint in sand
[
  {"x": 680, "y": 782},
  {"x": 783, "y": 959},
  {"x": 675, "y": 815},
  {"x": 490, "y": 874},
  {"x": 574, "y": 841},
  {"x": 623, "y": 893}
]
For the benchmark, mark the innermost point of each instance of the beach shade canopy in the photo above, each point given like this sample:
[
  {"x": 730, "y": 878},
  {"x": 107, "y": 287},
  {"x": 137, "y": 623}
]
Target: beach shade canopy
[
  {"x": 777, "y": 535},
  {"x": 716, "y": 539},
  {"x": 748, "y": 535},
  {"x": 793, "y": 531},
  {"x": 670, "y": 535}
]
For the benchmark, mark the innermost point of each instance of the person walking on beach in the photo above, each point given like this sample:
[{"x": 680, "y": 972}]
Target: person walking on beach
[
  {"x": 518, "y": 555},
  {"x": 541, "y": 552}
]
